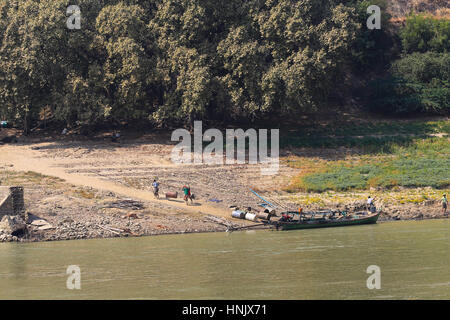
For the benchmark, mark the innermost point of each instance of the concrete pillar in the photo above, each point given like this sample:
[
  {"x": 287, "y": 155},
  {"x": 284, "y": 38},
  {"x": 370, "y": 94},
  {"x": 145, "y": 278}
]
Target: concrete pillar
[
  {"x": 11, "y": 201},
  {"x": 18, "y": 202}
]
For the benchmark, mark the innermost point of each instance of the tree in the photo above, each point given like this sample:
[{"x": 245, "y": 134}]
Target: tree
[
  {"x": 417, "y": 82},
  {"x": 28, "y": 70},
  {"x": 424, "y": 33},
  {"x": 372, "y": 49},
  {"x": 172, "y": 61},
  {"x": 128, "y": 61}
]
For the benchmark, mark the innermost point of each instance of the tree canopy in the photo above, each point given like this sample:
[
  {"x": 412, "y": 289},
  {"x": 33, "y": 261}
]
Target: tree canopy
[{"x": 175, "y": 61}]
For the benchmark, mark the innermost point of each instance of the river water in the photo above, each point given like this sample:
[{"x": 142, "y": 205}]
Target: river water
[{"x": 413, "y": 257}]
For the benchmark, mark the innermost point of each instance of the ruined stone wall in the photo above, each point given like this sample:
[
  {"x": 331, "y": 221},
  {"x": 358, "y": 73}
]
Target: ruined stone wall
[{"x": 11, "y": 201}]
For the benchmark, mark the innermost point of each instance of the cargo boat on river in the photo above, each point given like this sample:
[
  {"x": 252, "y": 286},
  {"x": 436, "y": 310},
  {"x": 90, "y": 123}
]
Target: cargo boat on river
[
  {"x": 309, "y": 223},
  {"x": 293, "y": 220}
]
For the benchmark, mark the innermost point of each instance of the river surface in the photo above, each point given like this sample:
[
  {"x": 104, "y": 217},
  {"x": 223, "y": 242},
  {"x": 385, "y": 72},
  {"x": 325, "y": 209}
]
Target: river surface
[{"x": 413, "y": 257}]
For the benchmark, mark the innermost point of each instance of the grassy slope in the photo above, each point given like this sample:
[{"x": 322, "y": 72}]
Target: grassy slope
[
  {"x": 371, "y": 137},
  {"x": 404, "y": 162}
]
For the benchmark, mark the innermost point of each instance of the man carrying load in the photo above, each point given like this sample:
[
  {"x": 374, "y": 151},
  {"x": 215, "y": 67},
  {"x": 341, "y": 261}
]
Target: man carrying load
[{"x": 187, "y": 194}]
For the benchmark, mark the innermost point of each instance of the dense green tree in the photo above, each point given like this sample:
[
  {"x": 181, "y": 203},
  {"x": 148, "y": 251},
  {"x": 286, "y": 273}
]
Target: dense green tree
[
  {"x": 175, "y": 61},
  {"x": 287, "y": 55},
  {"x": 417, "y": 82},
  {"x": 420, "y": 80},
  {"x": 27, "y": 67},
  {"x": 424, "y": 33},
  {"x": 128, "y": 65},
  {"x": 372, "y": 49}
]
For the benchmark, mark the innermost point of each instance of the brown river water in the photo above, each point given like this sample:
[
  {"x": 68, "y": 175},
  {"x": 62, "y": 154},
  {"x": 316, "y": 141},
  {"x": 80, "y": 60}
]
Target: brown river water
[{"x": 413, "y": 257}]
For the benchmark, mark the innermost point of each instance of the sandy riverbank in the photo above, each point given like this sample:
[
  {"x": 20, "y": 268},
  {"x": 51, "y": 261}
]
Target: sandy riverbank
[{"x": 92, "y": 188}]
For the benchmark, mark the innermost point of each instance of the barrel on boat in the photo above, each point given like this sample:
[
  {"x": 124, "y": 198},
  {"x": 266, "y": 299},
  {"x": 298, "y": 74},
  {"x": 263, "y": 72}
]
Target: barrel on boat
[
  {"x": 238, "y": 214},
  {"x": 250, "y": 216},
  {"x": 173, "y": 195}
]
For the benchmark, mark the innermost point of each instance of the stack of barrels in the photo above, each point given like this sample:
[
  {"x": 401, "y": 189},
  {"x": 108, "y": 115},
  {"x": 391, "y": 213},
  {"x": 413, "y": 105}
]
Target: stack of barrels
[{"x": 247, "y": 215}]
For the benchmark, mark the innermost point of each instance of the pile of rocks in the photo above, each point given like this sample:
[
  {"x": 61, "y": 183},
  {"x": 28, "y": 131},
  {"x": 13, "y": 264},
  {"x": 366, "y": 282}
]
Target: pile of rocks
[
  {"x": 355, "y": 206},
  {"x": 72, "y": 230},
  {"x": 12, "y": 228},
  {"x": 126, "y": 204}
]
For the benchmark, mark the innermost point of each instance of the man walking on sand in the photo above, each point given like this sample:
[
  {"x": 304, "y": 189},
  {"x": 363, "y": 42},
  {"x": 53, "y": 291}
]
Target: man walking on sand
[
  {"x": 444, "y": 204},
  {"x": 187, "y": 194},
  {"x": 155, "y": 186}
]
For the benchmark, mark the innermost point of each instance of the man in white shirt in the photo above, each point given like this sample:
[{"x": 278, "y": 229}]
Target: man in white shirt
[{"x": 370, "y": 204}]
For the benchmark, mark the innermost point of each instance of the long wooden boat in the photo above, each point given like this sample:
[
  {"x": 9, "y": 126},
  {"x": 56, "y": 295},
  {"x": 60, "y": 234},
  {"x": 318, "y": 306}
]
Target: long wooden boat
[
  {"x": 341, "y": 221},
  {"x": 293, "y": 220}
]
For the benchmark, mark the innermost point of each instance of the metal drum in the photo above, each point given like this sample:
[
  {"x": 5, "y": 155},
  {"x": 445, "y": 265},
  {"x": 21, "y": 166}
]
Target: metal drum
[
  {"x": 250, "y": 216},
  {"x": 264, "y": 216},
  {"x": 173, "y": 195},
  {"x": 238, "y": 214}
]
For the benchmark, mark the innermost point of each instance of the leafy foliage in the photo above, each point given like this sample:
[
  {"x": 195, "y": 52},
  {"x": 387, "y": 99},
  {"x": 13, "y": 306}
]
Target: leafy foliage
[
  {"x": 173, "y": 61},
  {"x": 418, "y": 82},
  {"x": 372, "y": 48},
  {"x": 170, "y": 61},
  {"x": 424, "y": 33}
]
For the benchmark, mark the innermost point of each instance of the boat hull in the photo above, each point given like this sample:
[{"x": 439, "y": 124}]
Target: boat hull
[{"x": 280, "y": 225}]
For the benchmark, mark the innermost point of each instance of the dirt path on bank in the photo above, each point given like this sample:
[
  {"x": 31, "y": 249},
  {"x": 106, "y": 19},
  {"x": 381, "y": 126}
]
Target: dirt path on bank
[
  {"x": 24, "y": 158},
  {"x": 128, "y": 168}
]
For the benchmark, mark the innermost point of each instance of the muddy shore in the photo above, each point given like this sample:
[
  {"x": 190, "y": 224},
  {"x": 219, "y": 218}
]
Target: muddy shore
[
  {"x": 71, "y": 230},
  {"x": 52, "y": 220},
  {"x": 51, "y": 216},
  {"x": 84, "y": 189},
  {"x": 80, "y": 213}
]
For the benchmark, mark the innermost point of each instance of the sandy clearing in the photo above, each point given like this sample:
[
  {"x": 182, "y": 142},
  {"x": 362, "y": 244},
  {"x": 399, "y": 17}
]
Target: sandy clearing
[
  {"x": 23, "y": 158},
  {"x": 127, "y": 169}
]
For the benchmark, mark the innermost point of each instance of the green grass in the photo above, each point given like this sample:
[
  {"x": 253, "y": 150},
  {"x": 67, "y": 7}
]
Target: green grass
[
  {"x": 26, "y": 178},
  {"x": 31, "y": 179},
  {"x": 371, "y": 137},
  {"x": 423, "y": 163}
]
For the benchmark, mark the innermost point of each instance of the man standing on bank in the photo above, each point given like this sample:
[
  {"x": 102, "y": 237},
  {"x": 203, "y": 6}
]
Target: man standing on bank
[
  {"x": 444, "y": 204},
  {"x": 371, "y": 205}
]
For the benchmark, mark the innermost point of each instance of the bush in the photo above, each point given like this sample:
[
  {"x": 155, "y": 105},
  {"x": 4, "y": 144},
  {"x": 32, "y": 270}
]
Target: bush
[
  {"x": 417, "y": 82},
  {"x": 423, "y": 67},
  {"x": 424, "y": 33}
]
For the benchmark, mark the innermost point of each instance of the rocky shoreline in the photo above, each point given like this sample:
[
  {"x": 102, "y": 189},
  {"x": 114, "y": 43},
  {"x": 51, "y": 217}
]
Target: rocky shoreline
[
  {"x": 20, "y": 231},
  {"x": 33, "y": 229},
  {"x": 67, "y": 213}
]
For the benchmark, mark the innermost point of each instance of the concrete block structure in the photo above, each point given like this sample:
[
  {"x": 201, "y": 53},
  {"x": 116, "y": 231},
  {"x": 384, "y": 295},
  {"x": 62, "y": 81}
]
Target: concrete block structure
[{"x": 11, "y": 201}]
